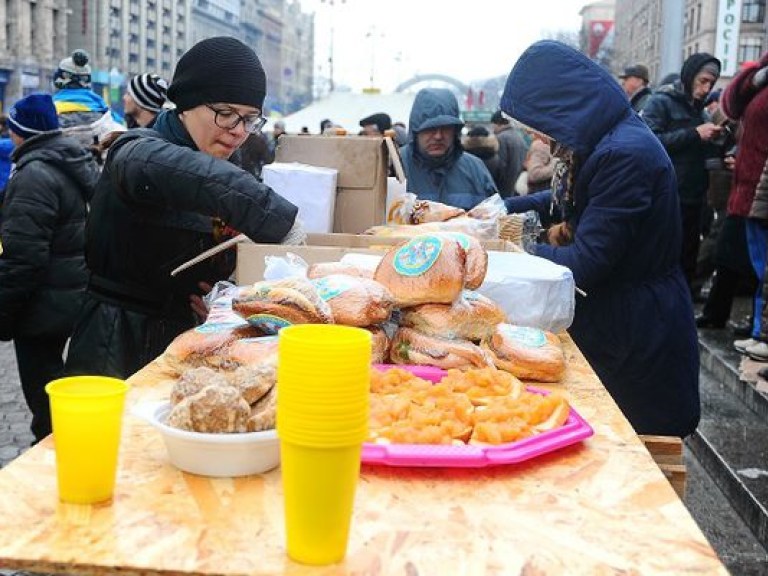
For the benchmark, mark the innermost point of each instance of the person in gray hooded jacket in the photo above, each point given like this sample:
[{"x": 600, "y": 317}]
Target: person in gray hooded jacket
[{"x": 436, "y": 166}]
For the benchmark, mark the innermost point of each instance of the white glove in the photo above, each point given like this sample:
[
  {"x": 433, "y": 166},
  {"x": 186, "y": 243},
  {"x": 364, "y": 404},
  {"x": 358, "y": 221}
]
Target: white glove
[
  {"x": 761, "y": 77},
  {"x": 296, "y": 235}
]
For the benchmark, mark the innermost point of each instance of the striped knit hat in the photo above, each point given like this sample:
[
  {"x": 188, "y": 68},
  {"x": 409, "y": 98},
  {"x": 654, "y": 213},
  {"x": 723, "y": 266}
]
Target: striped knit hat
[
  {"x": 148, "y": 91},
  {"x": 32, "y": 115}
]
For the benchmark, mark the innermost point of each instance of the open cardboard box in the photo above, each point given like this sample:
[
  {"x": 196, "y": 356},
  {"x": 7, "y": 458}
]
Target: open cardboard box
[
  {"x": 361, "y": 186},
  {"x": 323, "y": 248}
]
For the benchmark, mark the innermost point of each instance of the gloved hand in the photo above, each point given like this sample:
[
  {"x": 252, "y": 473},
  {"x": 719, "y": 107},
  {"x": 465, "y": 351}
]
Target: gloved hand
[
  {"x": 296, "y": 235},
  {"x": 760, "y": 78}
]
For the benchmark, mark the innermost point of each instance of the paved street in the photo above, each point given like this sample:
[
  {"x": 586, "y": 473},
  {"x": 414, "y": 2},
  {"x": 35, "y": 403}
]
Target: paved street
[{"x": 15, "y": 436}]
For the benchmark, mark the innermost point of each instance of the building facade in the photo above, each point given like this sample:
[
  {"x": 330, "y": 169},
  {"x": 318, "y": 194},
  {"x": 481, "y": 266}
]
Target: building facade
[
  {"x": 128, "y": 37},
  {"x": 662, "y": 33}
]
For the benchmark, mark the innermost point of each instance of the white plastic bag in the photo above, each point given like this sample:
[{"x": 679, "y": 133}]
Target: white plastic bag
[{"x": 531, "y": 290}]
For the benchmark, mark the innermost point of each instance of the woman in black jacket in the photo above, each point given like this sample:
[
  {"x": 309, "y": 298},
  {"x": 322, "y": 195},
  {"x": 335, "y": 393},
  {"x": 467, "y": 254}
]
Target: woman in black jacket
[
  {"x": 42, "y": 266},
  {"x": 162, "y": 198}
]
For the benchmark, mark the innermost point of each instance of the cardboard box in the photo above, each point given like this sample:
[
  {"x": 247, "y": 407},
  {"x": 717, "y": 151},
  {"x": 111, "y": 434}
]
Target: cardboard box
[
  {"x": 311, "y": 188},
  {"x": 362, "y": 162},
  {"x": 322, "y": 248}
]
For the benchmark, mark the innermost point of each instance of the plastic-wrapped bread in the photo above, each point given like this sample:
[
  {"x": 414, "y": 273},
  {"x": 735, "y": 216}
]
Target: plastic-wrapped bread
[
  {"x": 477, "y": 259},
  {"x": 271, "y": 305},
  {"x": 201, "y": 346},
  {"x": 528, "y": 353},
  {"x": 322, "y": 269},
  {"x": 412, "y": 347},
  {"x": 380, "y": 345},
  {"x": 470, "y": 317},
  {"x": 355, "y": 301},
  {"x": 428, "y": 268}
]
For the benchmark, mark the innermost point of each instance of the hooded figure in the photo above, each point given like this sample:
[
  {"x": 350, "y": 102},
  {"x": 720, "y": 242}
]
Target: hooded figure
[
  {"x": 675, "y": 113},
  {"x": 447, "y": 174},
  {"x": 635, "y": 325}
]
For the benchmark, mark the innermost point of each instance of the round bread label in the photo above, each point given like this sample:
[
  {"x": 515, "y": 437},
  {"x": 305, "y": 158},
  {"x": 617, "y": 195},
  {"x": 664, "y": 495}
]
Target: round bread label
[
  {"x": 331, "y": 286},
  {"x": 417, "y": 256},
  {"x": 470, "y": 296},
  {"x": 268, "y": 323},
  {"x": 528, "y": 337},
  {"x": 215, "y": 327}
]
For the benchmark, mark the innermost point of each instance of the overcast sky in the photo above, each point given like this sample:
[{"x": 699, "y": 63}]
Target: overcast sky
[{"x": 396, "y": 39}]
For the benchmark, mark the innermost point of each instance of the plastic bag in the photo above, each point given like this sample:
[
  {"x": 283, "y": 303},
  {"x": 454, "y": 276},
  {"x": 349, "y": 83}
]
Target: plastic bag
[
  {"x": 480, "y": 229},
  {"x": 492, "y": 208},
  {"x": 288, "y": 266}
]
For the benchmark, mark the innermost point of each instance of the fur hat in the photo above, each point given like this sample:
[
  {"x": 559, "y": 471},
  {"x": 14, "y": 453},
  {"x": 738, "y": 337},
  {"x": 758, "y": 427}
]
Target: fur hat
[
  {"x": 636, "y": 71},
  {"x": 148, "y": 91},
  {"x": 73, "y": 72},
  {"x": 32, "y": 115},
  {"x": 219, "y": 69}
]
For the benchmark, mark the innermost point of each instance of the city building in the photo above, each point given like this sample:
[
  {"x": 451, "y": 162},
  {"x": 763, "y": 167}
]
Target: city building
[
  {"x": 128, "y": 37},
  {"x": 662, "y": 33}
]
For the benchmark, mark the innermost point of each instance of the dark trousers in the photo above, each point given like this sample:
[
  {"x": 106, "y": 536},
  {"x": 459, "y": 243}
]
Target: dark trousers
[
  {"x": 39, "y": 361},
  {"x": 691, "y": 216}
]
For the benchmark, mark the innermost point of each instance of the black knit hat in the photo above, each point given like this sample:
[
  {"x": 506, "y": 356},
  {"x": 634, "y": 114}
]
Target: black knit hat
[
  {"x": 220, "y": 69},
  {"x": 383, "y": 121}
]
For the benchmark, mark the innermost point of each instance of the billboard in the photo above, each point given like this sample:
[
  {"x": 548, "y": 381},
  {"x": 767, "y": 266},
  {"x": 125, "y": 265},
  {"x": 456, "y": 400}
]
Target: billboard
[
  {"x": 597, "y": 32},
  {"x": 727, "y": 35}
]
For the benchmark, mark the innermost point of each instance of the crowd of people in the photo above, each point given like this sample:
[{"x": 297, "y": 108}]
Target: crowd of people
[{"x": 632, "y": 186}]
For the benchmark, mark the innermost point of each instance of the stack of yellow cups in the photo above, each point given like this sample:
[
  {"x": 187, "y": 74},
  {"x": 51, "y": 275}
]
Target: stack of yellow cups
[{"x": 323, "y": 380}]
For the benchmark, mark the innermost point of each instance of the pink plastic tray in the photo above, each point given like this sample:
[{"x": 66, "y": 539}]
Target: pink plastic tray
[{"x": 574, "y": 430}]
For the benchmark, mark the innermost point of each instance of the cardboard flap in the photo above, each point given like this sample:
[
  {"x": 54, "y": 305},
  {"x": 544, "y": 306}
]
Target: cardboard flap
[{"x": 361, "y": 160}]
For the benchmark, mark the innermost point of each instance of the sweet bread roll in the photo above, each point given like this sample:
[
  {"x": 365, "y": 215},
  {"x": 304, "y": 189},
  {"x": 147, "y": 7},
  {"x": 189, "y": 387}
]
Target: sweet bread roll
[
  {"x": 253, "y": 382},
  {"x": 193, "y": 380},
  {"x": 470, "y": 317},
  {"x": 355, "y": 301},
  {"x": 271, "y": 305},
  {"x": 249, "y": 352},
  {"x": 431, "y": 211},
  {"x": 411, "y": 347},
  {"x": 427, "y": 268},
  {"x": 264, "y": 412},
  {"x": 201, "y": 346},
  {"x": 477, "y": 259},
  {"x": 528, "y": 353},
  {"x": 322, "y": 269},
  {"x": 380, "y": 344}
]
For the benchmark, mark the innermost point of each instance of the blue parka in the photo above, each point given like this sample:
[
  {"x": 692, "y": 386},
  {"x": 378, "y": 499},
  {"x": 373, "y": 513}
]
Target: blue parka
[
  {"x": 457, "y": 179},
  {"x": 635, "y": 326}
]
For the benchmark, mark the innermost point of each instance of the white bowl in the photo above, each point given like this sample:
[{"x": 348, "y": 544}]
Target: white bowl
[{"x": 218, "y": 455}]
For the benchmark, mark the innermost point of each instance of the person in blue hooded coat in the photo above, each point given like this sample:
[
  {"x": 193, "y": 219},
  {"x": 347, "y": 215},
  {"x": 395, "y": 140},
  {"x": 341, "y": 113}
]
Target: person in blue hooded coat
[
  {"x": 621, "y": 237},
  {"x": 436, "y": 166}
]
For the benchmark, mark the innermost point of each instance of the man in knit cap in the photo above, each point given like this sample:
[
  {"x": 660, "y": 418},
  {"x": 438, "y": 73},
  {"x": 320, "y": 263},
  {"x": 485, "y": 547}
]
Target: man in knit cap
[
  {"x": 144, "y": 99},
  {"x": 42, "y": 267},
  {"x": 675, "y": 113},
  {"x": 164, "y": 196}
]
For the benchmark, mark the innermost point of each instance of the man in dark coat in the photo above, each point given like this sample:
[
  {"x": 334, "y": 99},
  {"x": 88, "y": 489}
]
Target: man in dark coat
[
  {"x": 42, "y": 266},
  {"x": 634, "y": 82},
  {"x": 159, "y": 202},
  {"x": 635, "y": 324},
  {"x": 675, "y": 113},
  {"x": 436, "y": 166}
]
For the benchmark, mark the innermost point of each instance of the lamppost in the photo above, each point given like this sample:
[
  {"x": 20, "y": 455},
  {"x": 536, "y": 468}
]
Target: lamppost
[
  {"x": 372, "y": 35},
  {"x": 331, "y": 3}
]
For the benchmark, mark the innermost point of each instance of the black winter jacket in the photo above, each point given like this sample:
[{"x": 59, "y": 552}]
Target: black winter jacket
[
  {"x": 673, "y": 115},
  {"x": 42, "y": 267},
  {"x": 152, "y": 211}
]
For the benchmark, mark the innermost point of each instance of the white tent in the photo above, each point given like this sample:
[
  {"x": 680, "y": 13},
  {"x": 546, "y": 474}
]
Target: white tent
[{"x": 346, "y": 109}]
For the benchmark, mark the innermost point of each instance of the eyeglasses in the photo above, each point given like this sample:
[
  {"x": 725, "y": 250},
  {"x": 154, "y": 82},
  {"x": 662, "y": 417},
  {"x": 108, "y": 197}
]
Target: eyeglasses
[{"x": 228, "y": 119}]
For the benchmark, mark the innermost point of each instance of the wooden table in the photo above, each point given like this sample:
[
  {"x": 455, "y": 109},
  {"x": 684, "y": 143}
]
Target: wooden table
[{"x": 601, "y": 507}]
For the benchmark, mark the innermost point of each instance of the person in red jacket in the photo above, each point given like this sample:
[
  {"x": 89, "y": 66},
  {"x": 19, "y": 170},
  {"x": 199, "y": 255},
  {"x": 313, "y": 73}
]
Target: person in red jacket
[{"x": 746, "y": 99}]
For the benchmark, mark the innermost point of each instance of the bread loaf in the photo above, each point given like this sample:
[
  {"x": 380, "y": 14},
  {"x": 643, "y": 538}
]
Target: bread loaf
[
  {"x": 380, "y": 345},
  {"x": 355, "y": 301},
  {"x": 528, "y": 353},
  {"x": 323, "y": 269},
  {"x": 428, "y": 268},
  {"x": 470, "y": 317},
  {"x": 201, "y": 346},
  {"x": 411, "y": 347}
]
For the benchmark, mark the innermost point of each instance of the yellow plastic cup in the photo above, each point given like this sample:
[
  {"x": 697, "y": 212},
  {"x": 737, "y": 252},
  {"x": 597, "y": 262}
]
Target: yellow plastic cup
[
  {"x": 319, "y": 489},
  {"x": 87, "y": 415}
]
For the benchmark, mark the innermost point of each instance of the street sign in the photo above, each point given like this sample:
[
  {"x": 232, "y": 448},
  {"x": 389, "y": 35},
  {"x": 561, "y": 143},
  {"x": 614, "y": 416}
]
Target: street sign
[{"x": 476, "y": 115}]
